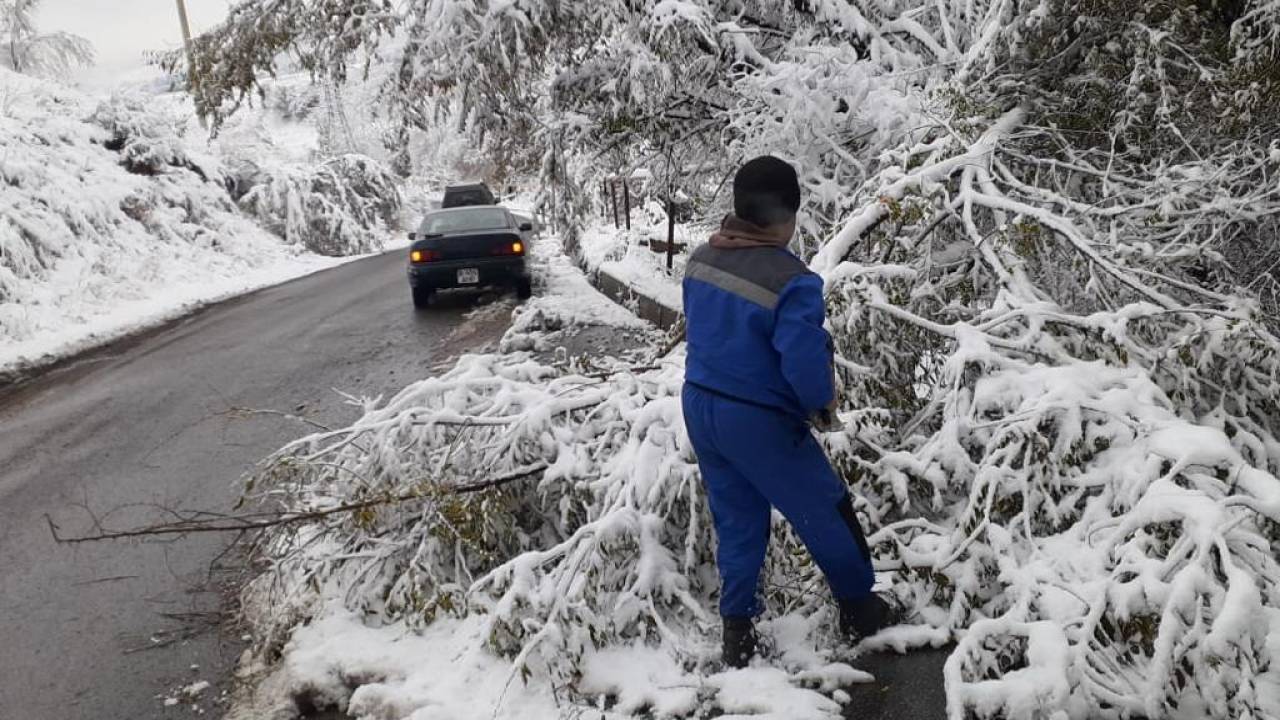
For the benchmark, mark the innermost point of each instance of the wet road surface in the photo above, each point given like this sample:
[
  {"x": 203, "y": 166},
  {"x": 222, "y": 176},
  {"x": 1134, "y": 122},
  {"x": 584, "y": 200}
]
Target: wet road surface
[{"x": 109, "y": 630}]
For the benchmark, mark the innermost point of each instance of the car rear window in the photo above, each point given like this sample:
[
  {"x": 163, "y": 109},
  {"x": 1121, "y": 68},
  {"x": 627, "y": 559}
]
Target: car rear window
[
  {"x": 464, "y": 220},
  {"x": 466, "y": 194},
  {"x": 460, "y": 198}
]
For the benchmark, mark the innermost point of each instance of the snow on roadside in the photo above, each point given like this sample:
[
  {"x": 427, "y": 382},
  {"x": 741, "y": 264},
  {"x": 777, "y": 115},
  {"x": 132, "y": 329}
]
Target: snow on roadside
[
  {"x": 391, "y": 664},
  {"x": 114, "y": 219},
  {"x": 620, "y": 253},
  {"x": 97, "y": 324},
  {"x": 443, "y": 672},
  {"x": 564, "y": 298}
]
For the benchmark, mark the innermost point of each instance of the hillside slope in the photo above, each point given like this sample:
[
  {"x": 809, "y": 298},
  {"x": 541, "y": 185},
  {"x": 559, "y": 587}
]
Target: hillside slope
[{"x": 113, "y": 216}]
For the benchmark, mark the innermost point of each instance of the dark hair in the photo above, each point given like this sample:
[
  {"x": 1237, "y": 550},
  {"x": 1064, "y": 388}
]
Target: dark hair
[{"x": 766, "y": 191}]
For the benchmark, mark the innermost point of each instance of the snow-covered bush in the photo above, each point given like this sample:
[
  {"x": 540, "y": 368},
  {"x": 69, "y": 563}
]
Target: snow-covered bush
[
  {"x": 148, "y": 141},
  {"x": 1049, "y": 235},
  {"x": 80, "y": 236},
  {"x": 1094, "y": 551},
  {"x": 342, "y": 206},
  {"x": 1255, "y": 37},
  {"x": 24, "y": 49},
  {"x": 109, "y": 212},
  {"x": 232, "y": 58},
  {"x": 292, "y": 100}
]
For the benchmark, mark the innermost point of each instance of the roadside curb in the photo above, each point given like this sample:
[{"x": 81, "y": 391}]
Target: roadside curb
[{"x": 647, "y": 308}]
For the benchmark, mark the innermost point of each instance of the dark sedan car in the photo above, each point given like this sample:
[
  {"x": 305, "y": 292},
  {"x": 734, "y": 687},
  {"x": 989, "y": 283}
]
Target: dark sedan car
[
  {"x": 468, "y": 247},
  {"x": 475, "y": 193}
]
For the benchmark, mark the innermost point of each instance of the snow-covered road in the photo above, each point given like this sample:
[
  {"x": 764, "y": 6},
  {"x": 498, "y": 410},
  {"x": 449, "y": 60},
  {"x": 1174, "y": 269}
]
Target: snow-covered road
[{"x": 110, "y": 630}]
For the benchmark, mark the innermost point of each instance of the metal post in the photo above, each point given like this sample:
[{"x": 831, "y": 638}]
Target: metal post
[
  {"x": 554, "y": 212},
  {"x": 671, "y": 211},
  {"x": 671, "y": 231},
  {"x": 626, "y": 202},
  {"x": 613, "y": 197},
  {"x": 562, "y": 171}
]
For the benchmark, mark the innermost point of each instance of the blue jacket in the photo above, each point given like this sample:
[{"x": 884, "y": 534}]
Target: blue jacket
[{"x": 754, "y": 327}]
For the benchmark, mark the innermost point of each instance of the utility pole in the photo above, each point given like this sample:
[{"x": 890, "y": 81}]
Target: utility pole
[
  {"x": 186, "y": 44},
  {"x": 186, "y": 30}
]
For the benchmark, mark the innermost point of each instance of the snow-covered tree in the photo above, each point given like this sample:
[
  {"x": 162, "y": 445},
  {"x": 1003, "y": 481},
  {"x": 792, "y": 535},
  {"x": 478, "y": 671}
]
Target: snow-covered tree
[
  {"x": 342, "y": 206},
  {"x": 26, "y": 50},
  {"x": 228, "y": 60},
  {"x": 1049, "y": 232}
]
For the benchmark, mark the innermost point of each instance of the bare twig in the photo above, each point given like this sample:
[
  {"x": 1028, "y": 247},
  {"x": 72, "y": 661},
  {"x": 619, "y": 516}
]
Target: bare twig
[{"x": 198, "y": 522}]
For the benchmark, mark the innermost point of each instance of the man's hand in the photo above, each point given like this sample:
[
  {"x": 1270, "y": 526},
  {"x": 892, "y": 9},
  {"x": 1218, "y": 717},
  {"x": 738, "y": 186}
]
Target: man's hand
[{"x": 826, "y": 420}]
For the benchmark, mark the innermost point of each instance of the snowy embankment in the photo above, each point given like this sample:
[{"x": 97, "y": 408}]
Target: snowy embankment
[
  {"x": 114, "y": 218},
  {"x": 626, "y": 255}
]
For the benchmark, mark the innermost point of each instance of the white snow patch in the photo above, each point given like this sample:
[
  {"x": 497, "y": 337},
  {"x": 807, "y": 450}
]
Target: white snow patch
[
  {"x": 621, "y": 254},
  {"x": 104, "y": 323},
  {"x": 443, "y": 672},
  {"x": 195, "y": 688},
  {"x": 563, "y": 298},
  {"x": 90, "y": 251},
  {"x": 640, "y": 678}
]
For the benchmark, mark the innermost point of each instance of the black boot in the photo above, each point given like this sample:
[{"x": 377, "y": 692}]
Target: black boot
[
  {"x": 739, "y": 642},
  {"x": 864, "y": 618}
]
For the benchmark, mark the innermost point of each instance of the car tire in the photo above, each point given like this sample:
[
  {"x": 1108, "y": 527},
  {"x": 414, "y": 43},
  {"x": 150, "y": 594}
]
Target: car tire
[
  {"x": 422, "y": 296},
  {"x": 524, "y": 289}
]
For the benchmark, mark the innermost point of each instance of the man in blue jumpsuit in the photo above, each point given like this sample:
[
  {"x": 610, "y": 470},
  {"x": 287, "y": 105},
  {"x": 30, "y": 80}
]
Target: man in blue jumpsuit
[{"x": 759, "y": 371}]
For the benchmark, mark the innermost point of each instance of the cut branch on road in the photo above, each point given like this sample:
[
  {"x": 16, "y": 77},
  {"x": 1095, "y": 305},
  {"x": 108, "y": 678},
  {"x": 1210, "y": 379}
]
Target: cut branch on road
[{"x": 203, "y": 522}]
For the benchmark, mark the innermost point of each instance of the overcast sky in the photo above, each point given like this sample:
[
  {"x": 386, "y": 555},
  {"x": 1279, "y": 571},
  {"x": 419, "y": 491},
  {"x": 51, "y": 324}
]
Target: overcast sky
[{"x": 121, "y": 30}]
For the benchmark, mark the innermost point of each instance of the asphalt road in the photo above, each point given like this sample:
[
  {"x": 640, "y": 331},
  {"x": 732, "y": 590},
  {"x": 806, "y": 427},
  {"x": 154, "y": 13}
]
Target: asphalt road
[
  {"x": 107, "y": 631},
  {"x": 907, "y": 687}
]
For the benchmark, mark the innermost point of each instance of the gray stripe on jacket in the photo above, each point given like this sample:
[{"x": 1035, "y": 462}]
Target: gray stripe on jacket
[
  {"x": 733, "y": 284},
  {"x": 757, "y": 275}
]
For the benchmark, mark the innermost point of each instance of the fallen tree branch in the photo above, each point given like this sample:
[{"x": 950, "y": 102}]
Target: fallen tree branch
[
  {"x": 258, "y": 521},
  {"x": 238, "y": 411}
]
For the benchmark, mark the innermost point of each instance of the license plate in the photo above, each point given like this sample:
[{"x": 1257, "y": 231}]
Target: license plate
[{"x": 468, "y": 276}]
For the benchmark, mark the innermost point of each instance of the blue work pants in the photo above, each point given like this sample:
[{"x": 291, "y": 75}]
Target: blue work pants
[{"x": 754, "y": 457}]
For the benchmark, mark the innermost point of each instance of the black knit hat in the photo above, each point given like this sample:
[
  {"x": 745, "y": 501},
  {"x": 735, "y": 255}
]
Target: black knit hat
[{"x": 766, "y": 191}]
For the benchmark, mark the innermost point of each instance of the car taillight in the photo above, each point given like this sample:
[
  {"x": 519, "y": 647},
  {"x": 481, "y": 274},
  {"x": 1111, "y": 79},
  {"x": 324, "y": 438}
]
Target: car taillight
[
  {"x": 514, "y": 248},
  {"x": 421, "y": 256}
]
